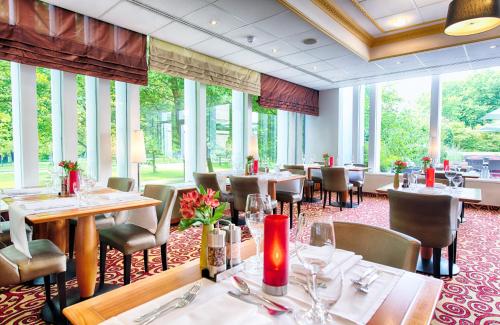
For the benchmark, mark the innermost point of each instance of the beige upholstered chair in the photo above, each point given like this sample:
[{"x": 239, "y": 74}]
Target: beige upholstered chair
[
  {"x": 288, "y": 193},
  {"x": 357, "y": 179},
  {"x": 101, "y": 221},
  {"x": 378, "y": 245},
  {"x": 432, "y": 219},
  {"x": 129, "y": 238},
  {"x": 46, "y": 259},
  {"x": 241, "y": 186},
  {"x": 5, "y": 233},
  {"x": 211, "y": 180},
  {"x": 308, "y": 183},
  {"x": 335, "y": 179},
  {"x": 441, "y": 179}
]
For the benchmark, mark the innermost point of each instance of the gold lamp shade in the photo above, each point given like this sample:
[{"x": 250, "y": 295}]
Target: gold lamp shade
[{"x": 467, "y": 17}]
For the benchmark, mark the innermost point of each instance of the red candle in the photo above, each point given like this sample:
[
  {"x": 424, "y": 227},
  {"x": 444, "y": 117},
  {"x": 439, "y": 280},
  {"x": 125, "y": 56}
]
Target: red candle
[
  {"x": 276, "y": 228},
  {"x": 446, "y": 164},
  {"x": 255, "y": 166},
  {"x": 331, "y": 162},
  {"x": 430, "y": 177}
]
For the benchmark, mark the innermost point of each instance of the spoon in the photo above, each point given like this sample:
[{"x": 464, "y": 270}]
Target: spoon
[
  {"x": 244, "y": 289},
  {"x": 270, "y": 311}
]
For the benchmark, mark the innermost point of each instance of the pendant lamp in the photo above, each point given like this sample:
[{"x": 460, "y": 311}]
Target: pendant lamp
[{"x": 467, "y": 17}]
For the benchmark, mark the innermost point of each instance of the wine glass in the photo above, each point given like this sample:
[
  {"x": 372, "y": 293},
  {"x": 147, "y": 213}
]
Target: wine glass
[
  {"x": 314, "y": 245},
  {"x": 257, "y": 207},
  {"x": 78, "y": 193},
  {"x": 449, "y": 173},
  {"x": 457, "y": 181}
]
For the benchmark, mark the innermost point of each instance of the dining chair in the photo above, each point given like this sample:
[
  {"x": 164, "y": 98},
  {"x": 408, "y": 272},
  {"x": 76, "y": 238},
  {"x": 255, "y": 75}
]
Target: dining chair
[
  {"x": 5, "y": 233},
  {"x": 335, "y": 179},
  {"x": 308, "y": 183},
  {"x": 432, "y": 219},
  {"x": 46, "y": 260},
  {"x": 378, "y": 245},
  {"x": 357, "y": 179},
  {"x": 211, "y": 180},
  {"x": 101, "y": 221},
  {"x": 241, "y": 187},
  {"x": 291, "y": 192},
  {"x": 130, "y": 238}
]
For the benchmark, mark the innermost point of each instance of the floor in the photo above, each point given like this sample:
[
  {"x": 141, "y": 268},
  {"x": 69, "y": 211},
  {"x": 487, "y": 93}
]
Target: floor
[{"x": 471, "y": 297}]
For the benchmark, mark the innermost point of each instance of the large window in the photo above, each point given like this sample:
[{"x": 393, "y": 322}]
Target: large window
[
  {"x": 265, "y": 126},
  {"x": 162, "y": 120},
  {"x": 405, "y": 121},
  {"x": 44, "y": 116},
  {"x": 219, "y": 128},
  {"x": 366, "y": 135},
  {"x": 6, "y": 143},
  {"x": 465, "y": 133},
  {"x": 82, "y": 121}
]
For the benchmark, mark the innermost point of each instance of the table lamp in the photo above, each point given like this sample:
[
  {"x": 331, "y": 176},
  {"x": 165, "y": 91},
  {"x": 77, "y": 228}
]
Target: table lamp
[{"x": 137, "y": 152}]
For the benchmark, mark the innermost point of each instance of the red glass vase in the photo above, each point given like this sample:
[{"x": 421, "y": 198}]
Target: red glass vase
[
  {"x": 430, "y": 177},
  {"x": 276, "y": 230},
  {"x": 331, "y": 161},
  {"x": 255, "y": 166},
  {"x": 74, "y": 180}
]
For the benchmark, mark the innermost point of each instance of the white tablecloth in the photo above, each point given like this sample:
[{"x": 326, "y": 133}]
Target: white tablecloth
[{"x": 214, "y": 306}]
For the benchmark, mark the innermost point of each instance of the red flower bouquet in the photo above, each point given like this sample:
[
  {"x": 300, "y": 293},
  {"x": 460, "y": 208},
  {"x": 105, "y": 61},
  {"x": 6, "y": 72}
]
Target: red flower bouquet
[
  {"x": 399, "y": 166},
  {"x": 201, "y": 207}
]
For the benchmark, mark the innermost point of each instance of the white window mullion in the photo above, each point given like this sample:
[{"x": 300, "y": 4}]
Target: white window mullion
[
  {"x": 122, "y": 129},
  {"x": 375, "y": 127},
  {"x": 358, "y": 123},
  {"x": 238, "y": 117},
  {"x": 435, "y": 119}
]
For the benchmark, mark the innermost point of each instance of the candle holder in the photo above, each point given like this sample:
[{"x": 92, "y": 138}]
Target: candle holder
[{"x": 276, "y": 239}]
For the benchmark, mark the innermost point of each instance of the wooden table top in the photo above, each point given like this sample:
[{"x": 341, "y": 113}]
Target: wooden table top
[
  {"x": 78, "y": 212},
  {"x": 412, "y": 301},
  {"x": 348, "y": 167},
  {"x": 464, "y": 194}
]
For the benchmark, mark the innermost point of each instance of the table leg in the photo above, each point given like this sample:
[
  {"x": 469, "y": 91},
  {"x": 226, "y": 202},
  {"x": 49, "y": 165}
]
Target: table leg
[
  {"x": 86, "y": 255},
  {"x": 58, "y": 234},
  {"x": 271, "y": 189}
]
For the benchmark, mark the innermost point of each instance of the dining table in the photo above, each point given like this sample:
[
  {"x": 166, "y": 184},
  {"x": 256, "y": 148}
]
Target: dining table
[
  {"x": 463, "y": 194},
  {"x": 411, "y": 299}
]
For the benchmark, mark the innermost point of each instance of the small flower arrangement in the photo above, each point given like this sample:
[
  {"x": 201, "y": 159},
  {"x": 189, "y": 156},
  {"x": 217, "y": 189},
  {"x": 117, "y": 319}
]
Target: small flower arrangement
[
  {"x": 69, "y": 165},
  {"x": 426, "y": 161},
  {"x": 250, "y": 159},
  {"x": 326, "y": 156},
  {"x": 399, "y": 166},
  {"x": 201, "y": 207}
]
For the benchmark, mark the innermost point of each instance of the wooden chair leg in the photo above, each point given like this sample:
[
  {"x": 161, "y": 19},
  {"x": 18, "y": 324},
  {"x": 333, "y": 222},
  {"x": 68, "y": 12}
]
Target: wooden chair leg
[
  {"x": 61, "y": 290},
  {"x": 324, "y": 199},
  {"x": 450, "y": 260},
  {"x": 281, "y": 207},
  {"x": 361, "y": 190},
  {"x": 455, "y": 244},
  {"x": 127, "y": 266},
  {"x": 234, "y": 217},
  {"x": 71, "y": 248},
  {"x": 359, "y": 194},
  {"x": 291, "y": 214},
  {"x": 436, "y": 263},
  {"x": 46, "y": 284},
  {"x": 164, "y": 263},
  {"x": 329, "y": 198},
  {"x": 102, "y": 263},
  {"x": 350, "y": 197},
  {"x": 146, "y": 266}
]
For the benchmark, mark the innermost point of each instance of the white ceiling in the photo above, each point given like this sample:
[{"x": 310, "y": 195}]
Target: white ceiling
[{"x": 277, "y": 48}]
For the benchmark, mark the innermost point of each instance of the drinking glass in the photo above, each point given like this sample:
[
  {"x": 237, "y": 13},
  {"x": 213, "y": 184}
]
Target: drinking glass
[
  {"x": 450, "y": 174},
  {"x": 457, "y": 181},
  {"x": 314, "y": 245},
  {"x": 257, "y": 207},
  {"x": 78, "y": 193}
]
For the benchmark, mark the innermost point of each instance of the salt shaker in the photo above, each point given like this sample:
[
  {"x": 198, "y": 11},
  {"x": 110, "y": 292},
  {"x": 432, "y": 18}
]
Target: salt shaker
[
  {"x": 216, "y": 252},
  {"x": 233, "y": 245}
]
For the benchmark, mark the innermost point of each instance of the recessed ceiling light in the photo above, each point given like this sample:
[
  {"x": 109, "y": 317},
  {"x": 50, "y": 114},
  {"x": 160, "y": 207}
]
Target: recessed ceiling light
[
  {"x": 398, "y": 62},
  {"x": 493, "y": 47},
  {"x": 310, "y": 41},
  {"x": 315, "y": 68},
  {"x": 275, "y": 50},
  {"x": 213, "y": 22},
  {"x": 399, "y": 22}
]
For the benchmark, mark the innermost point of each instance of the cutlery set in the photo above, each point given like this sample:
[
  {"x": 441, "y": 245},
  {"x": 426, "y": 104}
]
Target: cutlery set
[{"x": 366, "y": 279}]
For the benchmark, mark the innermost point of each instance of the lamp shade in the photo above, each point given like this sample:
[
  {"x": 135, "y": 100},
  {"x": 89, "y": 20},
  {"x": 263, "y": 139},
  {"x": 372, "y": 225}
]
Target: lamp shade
[
  {"x": 137, "y": 147},
  {"x": 253, "y": 146},
  {"x": 467, "y": 17}
]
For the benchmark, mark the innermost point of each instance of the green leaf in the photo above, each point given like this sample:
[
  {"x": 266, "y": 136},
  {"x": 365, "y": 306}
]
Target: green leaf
[
  {"x": 202, "y": 190},
  {"x": 186, "y": 223}
]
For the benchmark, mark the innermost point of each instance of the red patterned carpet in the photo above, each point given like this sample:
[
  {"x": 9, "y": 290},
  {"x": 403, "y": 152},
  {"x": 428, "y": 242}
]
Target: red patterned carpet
[{"x": 471, "y": 297}]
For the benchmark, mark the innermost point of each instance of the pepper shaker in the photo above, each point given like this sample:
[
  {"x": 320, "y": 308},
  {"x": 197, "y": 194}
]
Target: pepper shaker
[
  {"x": 233, "y": 245},
  {"x": 216, "y": 252}
]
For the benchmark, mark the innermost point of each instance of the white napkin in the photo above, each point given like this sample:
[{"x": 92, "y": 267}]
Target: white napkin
[
  {"x": 50, "y": 204},
  {"x": 340, "y": 257},
  {"x": 23, "y": 191},
  {"x": 120, "y": 196},
  {"x": 17, "y": 229},
  {"x": 143, "y": 217}
]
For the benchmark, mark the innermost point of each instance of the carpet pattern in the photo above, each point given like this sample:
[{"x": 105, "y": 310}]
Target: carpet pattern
[{"x": 471, "y": 297}]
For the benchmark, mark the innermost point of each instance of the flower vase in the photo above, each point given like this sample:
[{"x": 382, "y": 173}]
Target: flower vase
[
  {"x": 73, "y": 179},
  {"x": 396, "y": 181},
  {"x": 204, "y": 246}
]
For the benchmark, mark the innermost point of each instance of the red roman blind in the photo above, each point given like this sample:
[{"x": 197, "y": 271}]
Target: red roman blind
[
  {"x": 37, "y": 33},
  {"x": 284, "y": 95}
]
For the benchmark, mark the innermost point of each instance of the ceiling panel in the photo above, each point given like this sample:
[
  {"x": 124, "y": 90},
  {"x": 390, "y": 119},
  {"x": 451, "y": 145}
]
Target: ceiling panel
[
  {"x": 316, "y": 67},
  {"x": 297, "y": 40},
  {"x": 381, "y": 8},
  {"x": 299, "y": 58},
  {"x": 133, "y": 17},
  {"x": 260, "y": 37},
  {"x": 320, "y": 85},
  {"x": 346, "y": 61},
  {"x": 250, "y": 11},
  {"x": 329, "y": 52},
  {"x": 283, "y": 25},
  {"x": 401, "y": 63},
  {"x": 267, "y": 66},
  {"x": 277, "y": 49},
  {"x": 180, "y": 34},
  {"x": 215, "y": 47},
  {"x": 435, "y": 11},
  {"x": 177, "y": 8},
  {"x": 244, "y": 58},
  {"x": 206, "y": 15},
  {"x": 286, "y": 73},
  {"x": 83, "y": 7},
  {"x": 423, "y": 3},
  {"x": 303, "y": 79},
  {"x": 483, "y": 50},
  {"x": 403, "y": 19},
  {"x": 443, "y": 56}
]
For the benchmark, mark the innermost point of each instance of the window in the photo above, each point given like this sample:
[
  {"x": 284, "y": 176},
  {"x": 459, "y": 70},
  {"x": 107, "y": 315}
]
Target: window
[
  {"x": 219, "y": 128},
  {"x": 162, "y": 120},
  {"x": 6, "y": 142},
  {"x": 82, "y": 118},
  {"x": 465, "y": 133},
  {"x": 405, "y": 121},
  {"x": 366, "y": 135},
  {"x": 112, "y": 99},
  {"x": 44, "y": 116},
  {"x": 264, "y": 125}
]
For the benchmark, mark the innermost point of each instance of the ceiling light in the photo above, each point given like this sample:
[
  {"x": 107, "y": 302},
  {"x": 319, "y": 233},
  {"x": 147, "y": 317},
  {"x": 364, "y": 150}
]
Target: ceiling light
[
  {"x": 275, "y": 50},
  {"x": 213, "y": 22},
  {"x": 493, "y": 47},
  {"x": 467, "y": 17},
  {"x": 310, "y": 41},
  {"x": 398, "y": 62},
  {"x": 315, "y": 68},
  {"x": 399, "y": 22}
]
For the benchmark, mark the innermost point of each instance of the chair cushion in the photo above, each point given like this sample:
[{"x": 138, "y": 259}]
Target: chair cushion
[
  {"x": 5, "y": 233},
  {"x": 357, "y": 183},
  {"x": 128, "y": 238},
  {"x": 103, "y": 222},
  {"x": 46, "y": 259},
  {"x": 283, "y": 196}
]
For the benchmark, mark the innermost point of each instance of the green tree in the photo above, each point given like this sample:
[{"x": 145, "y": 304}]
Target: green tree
[
  {"x": 44, "y": 113},
  {"x": 5, "y": 112}
]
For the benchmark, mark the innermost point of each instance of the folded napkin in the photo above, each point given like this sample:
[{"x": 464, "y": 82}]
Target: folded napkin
[
  {"x": 120, "y": 196},
  {"x": 39, "y": 206},
  {"x": 23, "y": 191},
  {"x": 340, "y": 257},
  {"x": 18, "y": 235}
]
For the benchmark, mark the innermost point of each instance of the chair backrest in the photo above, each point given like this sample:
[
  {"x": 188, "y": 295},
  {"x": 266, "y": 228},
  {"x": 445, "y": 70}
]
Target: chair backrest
[
  {"x": 167, "y": 195},
  {"x": 298, "y": 167},
  {"x": 121, "y": 183},
  {"x": 335, "y": 179},
  {"x": 9, "y": 271},
  {"x": 241, "y": 186},
  {"x": 378, "y": 245},
  {"x": 207, "y": 180},
  {"x": 432, "y": 219}
]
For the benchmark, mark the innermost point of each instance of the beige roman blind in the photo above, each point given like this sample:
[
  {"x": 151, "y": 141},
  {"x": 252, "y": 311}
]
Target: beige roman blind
[{"x": 181, "y": 62}]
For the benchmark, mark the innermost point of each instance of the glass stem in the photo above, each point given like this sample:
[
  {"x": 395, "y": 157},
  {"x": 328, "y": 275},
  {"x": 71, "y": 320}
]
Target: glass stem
[{"x": 257, "y": 249}]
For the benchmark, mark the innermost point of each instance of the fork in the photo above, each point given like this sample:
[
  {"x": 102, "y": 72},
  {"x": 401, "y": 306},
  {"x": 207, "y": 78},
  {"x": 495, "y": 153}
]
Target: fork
[
  {"x": 193, "y": 290},
  {"x": 179, "y": 304}
]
